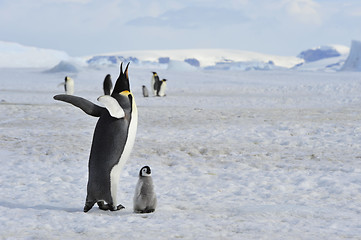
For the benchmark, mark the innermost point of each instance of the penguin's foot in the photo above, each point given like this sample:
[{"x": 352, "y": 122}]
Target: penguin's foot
[
  {"x": 88, "y": 206},
  {"x": 103, "y": 206},
  {"x": 120, "y": 206},
  {"x": 148, "y": 210},
  {"x": 110, "y": 207},
  {"x": 145, "y": 211}
]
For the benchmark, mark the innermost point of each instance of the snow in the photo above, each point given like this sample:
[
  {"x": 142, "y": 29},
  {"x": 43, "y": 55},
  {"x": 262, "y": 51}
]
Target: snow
[
  {"x": 205, "y": 57},
  {"x": 353, "y": 61},
  {"x": 325, "y": 58},
  {"x": 180, "y": 66},
  {"x": 234, "y": 155},
  {"x": 17, "y": 55},
  {"x": 64, "y": 66},
  {"x": 332, "y": 64},
  {"x": 329, "y": 58}
]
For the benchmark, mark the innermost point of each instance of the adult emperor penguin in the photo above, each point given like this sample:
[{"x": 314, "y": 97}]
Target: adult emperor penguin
[
  {"x": 161, "y": 88},
  {"x": 107, "y": 84},
  {"x": 68, "y": 85},
  {"x": 145, "y": 200},
  {"x": 145, "y": 91},
  {"x": 113, "y": 141},
  {"x": 155, "y": 83}
]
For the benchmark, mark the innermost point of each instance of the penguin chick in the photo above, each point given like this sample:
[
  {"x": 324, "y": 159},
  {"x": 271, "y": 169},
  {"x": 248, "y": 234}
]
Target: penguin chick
[
  {"x": 145, "y": 200},
  {"x": 145, "y": 91}
]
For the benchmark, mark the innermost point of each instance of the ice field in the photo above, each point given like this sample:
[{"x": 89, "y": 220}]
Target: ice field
[{"x": 234, "y": 155}]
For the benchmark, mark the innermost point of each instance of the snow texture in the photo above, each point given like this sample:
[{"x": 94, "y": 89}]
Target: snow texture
[{"x": 234, "y": 155}]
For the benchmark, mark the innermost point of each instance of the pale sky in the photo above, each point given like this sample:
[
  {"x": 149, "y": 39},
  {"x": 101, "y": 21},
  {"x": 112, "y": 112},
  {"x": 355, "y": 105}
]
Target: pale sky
[{"x": 86, "y": 27}]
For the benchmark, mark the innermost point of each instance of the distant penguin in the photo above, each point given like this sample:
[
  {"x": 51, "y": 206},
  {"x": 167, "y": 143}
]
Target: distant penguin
[
  {"x": 161, "y": 88},
  {"x": 155, "y": 83},
  {"x": 68, "y": 85},
  {"x": 145, "y": 91},
  {"x": 107, "y": 85},
  {"x": 113, "y": 141},
  {"x": 145, "y": 200}
]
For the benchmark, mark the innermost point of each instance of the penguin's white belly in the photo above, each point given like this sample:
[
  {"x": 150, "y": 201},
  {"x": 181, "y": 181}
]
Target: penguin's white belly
[
  {"x": 70, "y": 87},
  {"x": 162, "y": 89},
  {"x": 115, "y": 172},
  {"x": 153, "y": 87}
]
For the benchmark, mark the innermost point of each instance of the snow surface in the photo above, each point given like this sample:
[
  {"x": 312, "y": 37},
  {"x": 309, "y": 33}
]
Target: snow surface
[{"x": 235, "y": 155}]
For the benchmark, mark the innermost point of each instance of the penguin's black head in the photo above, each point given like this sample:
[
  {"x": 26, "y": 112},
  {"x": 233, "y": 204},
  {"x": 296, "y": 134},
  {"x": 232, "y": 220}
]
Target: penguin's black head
[
  {"x": 154, "y": 73},
  {"x": 66, "y": 78},
  {"x": 122, "y": 83},
  {"x": 145, "y": 172}
]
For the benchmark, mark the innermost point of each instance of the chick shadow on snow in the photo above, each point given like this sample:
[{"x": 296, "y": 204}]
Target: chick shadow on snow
[{"x": 97, "y": 211}]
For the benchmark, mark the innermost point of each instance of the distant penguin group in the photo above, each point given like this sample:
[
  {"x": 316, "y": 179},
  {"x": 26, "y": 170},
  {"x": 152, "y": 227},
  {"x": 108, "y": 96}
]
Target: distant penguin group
[{"x": 158, "y": 86}]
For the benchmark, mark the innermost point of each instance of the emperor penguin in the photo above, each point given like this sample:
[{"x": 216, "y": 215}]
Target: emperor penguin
[
  {"x": 155, "y": 83},
  {"x": 68, "y": 85},
  {"x": 145, "y": 200},
  {"x": 112, "y": 143},
  {"x": 145, "y": 91},
  {"x": 107, "y": 84},
  {"x": 161, "y": 88}
]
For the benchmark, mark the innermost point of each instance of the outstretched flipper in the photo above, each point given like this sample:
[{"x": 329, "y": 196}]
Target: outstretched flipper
[
  {"x": 112, "y": 105},
  {"x": 85, "y": 105}
]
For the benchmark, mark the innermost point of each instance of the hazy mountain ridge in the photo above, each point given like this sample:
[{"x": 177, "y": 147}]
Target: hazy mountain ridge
[{"x": 324, "y": 58}]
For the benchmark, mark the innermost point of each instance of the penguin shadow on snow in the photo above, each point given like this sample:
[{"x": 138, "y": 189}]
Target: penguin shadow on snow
[
  {"x": 40, "y": 207},
  {"x": 13, "y": 205}
]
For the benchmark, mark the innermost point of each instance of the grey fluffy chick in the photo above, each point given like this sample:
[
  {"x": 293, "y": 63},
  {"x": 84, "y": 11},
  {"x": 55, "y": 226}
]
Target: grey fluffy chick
[{"x": 145, "y": 200}]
